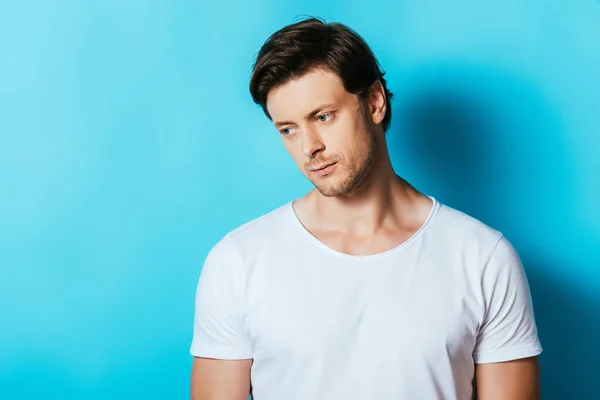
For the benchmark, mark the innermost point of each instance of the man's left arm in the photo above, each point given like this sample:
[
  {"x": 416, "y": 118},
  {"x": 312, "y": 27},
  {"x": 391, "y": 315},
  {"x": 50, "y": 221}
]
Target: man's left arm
[
  {"x": 510, "y": 380},
  {"x": 505, "y": 355}
]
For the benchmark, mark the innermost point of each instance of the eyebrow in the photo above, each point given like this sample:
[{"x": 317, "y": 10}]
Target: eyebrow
[{"x": 308, "y": 116}]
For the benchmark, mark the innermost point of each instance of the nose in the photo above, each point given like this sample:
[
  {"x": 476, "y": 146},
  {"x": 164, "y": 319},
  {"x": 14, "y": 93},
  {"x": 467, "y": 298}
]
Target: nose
[{"x": 312, "y": 143}]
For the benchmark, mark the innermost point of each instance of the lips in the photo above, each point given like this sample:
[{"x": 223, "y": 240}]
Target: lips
[
  {"x": 324, "y": 170},
  {"x": 322, "y": 167}
]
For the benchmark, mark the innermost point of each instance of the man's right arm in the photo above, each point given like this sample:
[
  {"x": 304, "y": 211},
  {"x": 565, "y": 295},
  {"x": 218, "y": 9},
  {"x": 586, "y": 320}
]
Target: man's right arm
[
  {"x": 220, "y": 346},
  {"x": 220, "y": 379}
]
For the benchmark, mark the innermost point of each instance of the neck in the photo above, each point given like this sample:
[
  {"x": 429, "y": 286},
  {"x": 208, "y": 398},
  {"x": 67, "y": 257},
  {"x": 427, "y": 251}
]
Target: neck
[{"x": 383, "y": 199}]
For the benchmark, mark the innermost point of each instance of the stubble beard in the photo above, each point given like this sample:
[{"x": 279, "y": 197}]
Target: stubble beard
[{"x": 355, "y": 179}]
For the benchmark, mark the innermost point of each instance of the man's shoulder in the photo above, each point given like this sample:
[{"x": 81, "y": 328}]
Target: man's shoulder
[
  {"x": 263, "y": 225},
  {"x": 253, "y": 234},
  {"x": 462, "y": 227}
]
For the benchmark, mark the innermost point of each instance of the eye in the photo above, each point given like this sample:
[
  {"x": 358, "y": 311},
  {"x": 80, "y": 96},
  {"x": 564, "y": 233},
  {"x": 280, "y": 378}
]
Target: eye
[
  {"x": 286, "y": 131},
  {"x": 324, "y": 117}
]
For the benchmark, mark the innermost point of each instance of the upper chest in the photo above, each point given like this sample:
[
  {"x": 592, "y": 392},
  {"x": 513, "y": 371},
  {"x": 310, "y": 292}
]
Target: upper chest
[{"x": 303, "y": 307}]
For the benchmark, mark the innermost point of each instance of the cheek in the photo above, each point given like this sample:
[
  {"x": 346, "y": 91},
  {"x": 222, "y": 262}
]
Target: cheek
[
  {"x": 353, "y": 143},
  {"x": 295, "y": 152}
]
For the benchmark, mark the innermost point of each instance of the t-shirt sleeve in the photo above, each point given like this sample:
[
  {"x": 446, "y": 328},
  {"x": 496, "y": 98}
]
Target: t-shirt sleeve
[
  {"x": 508, "y": 331},
  {"x": 218, "y": 329}
]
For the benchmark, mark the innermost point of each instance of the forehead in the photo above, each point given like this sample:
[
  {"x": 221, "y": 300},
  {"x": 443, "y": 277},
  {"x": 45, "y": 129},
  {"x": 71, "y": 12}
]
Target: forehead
[{"x": 301, "y": 95}]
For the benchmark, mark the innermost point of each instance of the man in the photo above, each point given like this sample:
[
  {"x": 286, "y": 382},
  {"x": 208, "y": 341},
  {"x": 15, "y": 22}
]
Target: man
[{"x": 364, "y": 288}]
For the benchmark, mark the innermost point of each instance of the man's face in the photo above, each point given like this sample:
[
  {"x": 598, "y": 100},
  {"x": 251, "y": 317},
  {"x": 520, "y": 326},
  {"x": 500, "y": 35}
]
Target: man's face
[{"x": 327, "y": 131}]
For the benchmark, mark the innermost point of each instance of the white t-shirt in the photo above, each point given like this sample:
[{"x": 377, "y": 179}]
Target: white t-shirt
[{"x": 408, "y": 323}]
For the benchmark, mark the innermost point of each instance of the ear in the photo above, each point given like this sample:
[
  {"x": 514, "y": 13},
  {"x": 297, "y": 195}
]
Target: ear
[{"x": 377, "y": 102}]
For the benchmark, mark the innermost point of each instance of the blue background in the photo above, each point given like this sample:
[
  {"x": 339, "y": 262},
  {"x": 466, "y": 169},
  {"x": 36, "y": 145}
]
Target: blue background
[{"x": 129, "y": 145}]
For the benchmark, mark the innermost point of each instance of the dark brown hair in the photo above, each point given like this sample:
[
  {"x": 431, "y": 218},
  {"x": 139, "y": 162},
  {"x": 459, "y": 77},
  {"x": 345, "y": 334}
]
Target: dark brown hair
[{"x": 312, "y": 43}]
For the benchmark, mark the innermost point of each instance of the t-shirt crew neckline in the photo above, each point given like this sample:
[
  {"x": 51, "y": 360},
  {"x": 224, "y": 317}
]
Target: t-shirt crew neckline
[{"x": 368, "y": 257}]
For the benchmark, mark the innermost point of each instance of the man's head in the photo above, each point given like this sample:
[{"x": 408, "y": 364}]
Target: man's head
[{"x": 323, "y": 89}]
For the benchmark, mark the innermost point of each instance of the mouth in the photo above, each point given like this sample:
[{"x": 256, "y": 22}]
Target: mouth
[
  {"x": 322, "y": 167},
  {"x": 325, "y": 169}
]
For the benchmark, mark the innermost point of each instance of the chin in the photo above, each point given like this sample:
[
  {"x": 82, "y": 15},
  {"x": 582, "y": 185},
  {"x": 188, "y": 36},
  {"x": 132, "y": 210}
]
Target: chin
[
  {"x": 327, "y": 191},
  {"x": 331, "y": 189}
]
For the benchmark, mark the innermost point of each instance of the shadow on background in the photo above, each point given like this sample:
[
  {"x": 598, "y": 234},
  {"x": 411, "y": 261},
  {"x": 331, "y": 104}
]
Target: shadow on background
[{"x": 490, "y": 145}]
